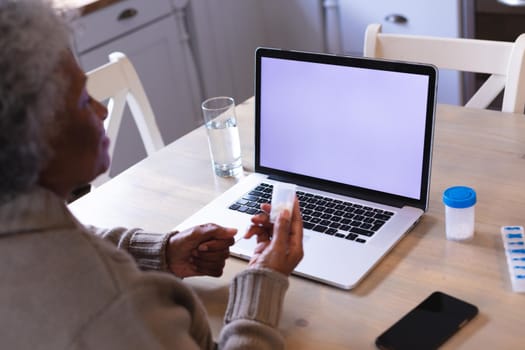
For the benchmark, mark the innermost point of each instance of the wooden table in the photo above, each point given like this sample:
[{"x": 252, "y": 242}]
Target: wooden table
[{"x": 478, "y": 148}]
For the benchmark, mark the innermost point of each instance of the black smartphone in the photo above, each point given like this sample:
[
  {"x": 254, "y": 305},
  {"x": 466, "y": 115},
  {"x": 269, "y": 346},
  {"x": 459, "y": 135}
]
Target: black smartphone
[{"x": 429, "y": 324}]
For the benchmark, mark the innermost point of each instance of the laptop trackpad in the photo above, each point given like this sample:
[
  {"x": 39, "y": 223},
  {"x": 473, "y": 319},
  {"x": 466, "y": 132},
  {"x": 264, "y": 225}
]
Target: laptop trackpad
[{"x": 244, "y": 248}]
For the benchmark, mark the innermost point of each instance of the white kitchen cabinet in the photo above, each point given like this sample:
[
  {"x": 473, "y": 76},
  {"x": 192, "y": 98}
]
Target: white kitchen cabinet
[
  {"x": 446, "y": 18},
  {"x": 225, "y": 34},
  {"x": 152, "y": 35}
]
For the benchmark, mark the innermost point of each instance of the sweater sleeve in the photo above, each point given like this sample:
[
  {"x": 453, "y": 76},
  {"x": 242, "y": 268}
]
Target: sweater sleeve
[
  {"x": 254, "y": 310},
  {"x": 158, "y": 312},
  {"x": 148, "y": 249}
]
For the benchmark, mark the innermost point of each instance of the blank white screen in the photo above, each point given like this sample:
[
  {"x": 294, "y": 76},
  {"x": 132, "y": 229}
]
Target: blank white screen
[{"x": 355, "y": 126}]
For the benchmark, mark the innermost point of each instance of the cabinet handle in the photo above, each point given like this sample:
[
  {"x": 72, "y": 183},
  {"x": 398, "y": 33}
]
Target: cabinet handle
[
  {"x": 127, "y": 14},
  {"x": 395, "y": 18},
  {"x": 512, "y": 2}
]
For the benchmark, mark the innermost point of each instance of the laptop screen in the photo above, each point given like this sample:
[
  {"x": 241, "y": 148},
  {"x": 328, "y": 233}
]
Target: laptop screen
[{"x": 356, "y": 122}]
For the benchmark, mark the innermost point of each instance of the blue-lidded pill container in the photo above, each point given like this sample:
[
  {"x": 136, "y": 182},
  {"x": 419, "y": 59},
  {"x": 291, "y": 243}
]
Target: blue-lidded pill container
[{"x": 459, "y": 203}]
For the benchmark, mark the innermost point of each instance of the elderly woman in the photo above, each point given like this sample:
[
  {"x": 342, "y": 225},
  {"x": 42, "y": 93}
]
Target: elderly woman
[{"x": 66, "y": 285}]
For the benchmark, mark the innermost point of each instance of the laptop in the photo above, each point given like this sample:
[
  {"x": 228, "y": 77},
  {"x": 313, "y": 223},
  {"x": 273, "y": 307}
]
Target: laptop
[{"x": 355, "y": 135}]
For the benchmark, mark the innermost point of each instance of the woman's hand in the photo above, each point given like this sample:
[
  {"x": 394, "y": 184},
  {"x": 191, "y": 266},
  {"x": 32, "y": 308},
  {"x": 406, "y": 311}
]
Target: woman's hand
[
  {"x": 200, "y": 250},
  {"x": 280, "y": 245}
]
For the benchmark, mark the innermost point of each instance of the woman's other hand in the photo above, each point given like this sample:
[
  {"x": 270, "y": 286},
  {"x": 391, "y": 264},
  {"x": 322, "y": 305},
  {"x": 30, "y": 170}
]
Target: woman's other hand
[
  {"x": 279, "y": 245},
  {"x": 200, "y": 250}
]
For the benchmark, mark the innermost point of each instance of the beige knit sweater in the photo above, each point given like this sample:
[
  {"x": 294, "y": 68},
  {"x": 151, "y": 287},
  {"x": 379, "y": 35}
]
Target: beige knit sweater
[{"x": 63, "y": 287}]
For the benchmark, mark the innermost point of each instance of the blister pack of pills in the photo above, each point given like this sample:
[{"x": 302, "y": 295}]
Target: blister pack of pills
[{"x": 514, "y": 243}]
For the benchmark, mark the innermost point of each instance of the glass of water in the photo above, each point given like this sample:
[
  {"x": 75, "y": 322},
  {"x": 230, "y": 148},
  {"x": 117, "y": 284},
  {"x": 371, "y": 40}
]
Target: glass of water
[{"x": 223, "y": 135}]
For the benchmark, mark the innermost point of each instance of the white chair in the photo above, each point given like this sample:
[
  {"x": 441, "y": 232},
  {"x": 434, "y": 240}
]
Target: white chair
[
  {"x": 118, "y": 81},
  {"x": 504, "y": 61}
]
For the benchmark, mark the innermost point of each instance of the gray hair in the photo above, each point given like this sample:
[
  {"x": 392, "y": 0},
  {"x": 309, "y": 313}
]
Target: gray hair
[{"x": 33, "y": 41}]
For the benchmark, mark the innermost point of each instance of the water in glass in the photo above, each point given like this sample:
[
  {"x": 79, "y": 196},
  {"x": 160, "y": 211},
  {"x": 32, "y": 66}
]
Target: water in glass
[{"x": 225, "y": 147}]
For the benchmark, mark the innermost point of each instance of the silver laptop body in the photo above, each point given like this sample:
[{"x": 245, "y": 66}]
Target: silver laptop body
[{"x": 352, "y": 131}]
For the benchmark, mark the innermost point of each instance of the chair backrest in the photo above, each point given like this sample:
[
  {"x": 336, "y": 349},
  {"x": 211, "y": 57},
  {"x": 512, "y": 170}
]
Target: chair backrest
[
  {"x": 118, "y": 82},
  {"x": 504, "y": 61}
]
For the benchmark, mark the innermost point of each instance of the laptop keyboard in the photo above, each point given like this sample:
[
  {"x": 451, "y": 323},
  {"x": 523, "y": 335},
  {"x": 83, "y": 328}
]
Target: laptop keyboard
[{"x": 325, "y": 215}]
